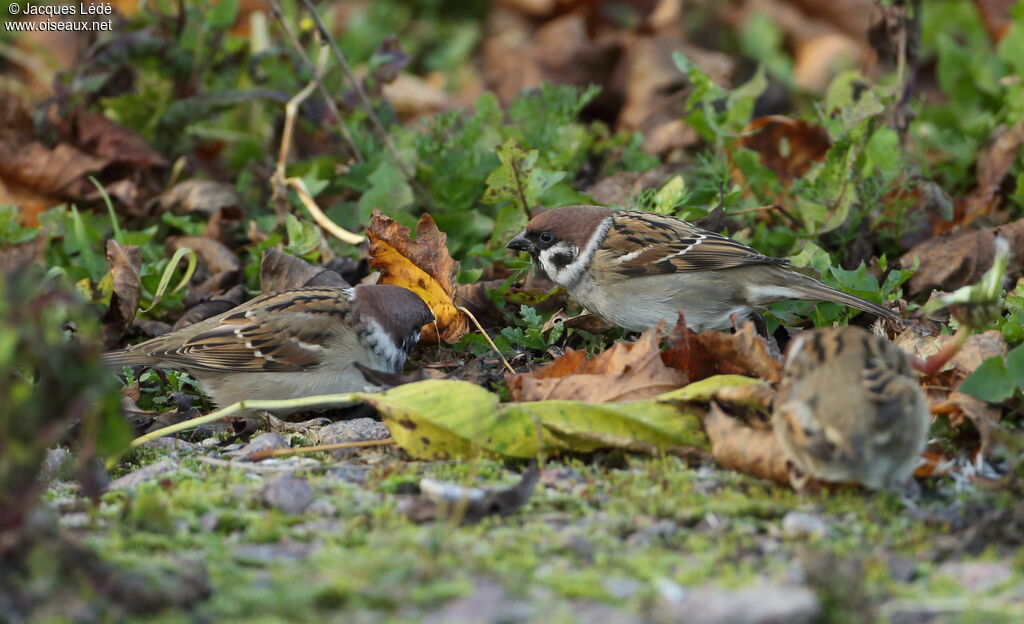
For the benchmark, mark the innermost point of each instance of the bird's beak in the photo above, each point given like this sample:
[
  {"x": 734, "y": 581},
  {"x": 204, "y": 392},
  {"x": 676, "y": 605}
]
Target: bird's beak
[{"x": 522, "y": 243}]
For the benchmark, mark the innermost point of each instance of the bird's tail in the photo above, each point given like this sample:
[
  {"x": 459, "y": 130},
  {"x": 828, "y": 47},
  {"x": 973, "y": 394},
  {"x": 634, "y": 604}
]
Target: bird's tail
[
  {"x": 126, "y": 357},
  {"x": 810, "y": 289}
]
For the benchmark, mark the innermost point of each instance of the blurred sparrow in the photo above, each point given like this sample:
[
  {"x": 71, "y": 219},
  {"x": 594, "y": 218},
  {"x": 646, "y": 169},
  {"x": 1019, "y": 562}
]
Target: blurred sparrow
[
  {"x": 292, "y": 343},
  {"x": 849, "y": 409},
  {"x": 637, "y": 268}
]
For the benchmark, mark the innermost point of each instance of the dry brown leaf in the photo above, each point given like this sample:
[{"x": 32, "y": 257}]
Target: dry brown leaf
[
  {"x": 57, "y": 172},
  {"x": 281, "y": 271},
  {"x": 474, "y": 298},
  {"x": 125, "y": 262},
  {"x": 977, "y": 349},
  {"x": 413, "y": 97},
  {"x": 997, "y": 16},
  {"x": 985, "y": 417},
  {"x": 625, "y": 372},
  {"x": 949, "y": 262},
  {"x": 17, "y": 257},
  {"x": 993, "y": 165},
  {"x": 212, "y": 254},
  {"x": 587, "y": 322},
  {"x": 739, "y": 447},
  {"x": 205, "y": 196},
  {"x": 424, "y": 266},
  {"x": 101, "y": 137},
  {"x": 210, "y": 306},
  {"x": 714, "y": 352},
  {"x": 787, "y": 146}
]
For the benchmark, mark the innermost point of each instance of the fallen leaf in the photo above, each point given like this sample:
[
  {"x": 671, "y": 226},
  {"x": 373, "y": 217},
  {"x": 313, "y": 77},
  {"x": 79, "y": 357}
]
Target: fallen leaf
[
  {"x": 58, "y": 172},
  {"x": 17, "y": 257},
  {"x": 739, "y": 447},
  {"x": 787, "y": 146},
  {"x": 984, "y": 416},
  {"x": 413, "y": 97},
  {"x": 101, "y": 137},
  {"x": 212, "y": 254},
  {"x": 622, "y": 373},
  {"x": 446, "y": 419},
  {"x": 997, "y": 16},
  {"x": 211, "y": 306},
  {"x": 949, "y": 262},
  {"x": 424, "y": 266},
  {"x": 713, "y": 352},
  {"x": 281, "y": 271},
  {"x": 125, "y": 262},
  {"x": 475, "y": 298},
  {"x": 205, "y": 196},
  {"x": 992, "y": 166}
]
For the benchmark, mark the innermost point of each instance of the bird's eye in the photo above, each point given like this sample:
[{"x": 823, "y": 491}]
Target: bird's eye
[{"x": 547, "y": 238}]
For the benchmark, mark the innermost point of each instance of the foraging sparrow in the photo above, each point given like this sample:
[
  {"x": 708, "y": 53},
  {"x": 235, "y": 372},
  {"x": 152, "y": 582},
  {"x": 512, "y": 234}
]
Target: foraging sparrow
[
  {"x": 290, "y": 344},
  {"x": 637, "y": 268},
  {"x": 849, "y": 409}
]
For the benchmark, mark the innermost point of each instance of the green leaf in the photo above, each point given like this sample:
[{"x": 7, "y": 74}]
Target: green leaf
[
  {"x": 518, "y": 179},
  {"x": 445, "y": 419},
  {"x": 1015, "y": 366},
  {"x": 165, "y": 277},
  {"x": 991, "y": 381},
  {"x": 222, "y": 14},
  {"x": 303, "y": 237},
  {"x": 389, "y": 192},
  {"x": 437, "y": 419},
  {"x": 883, "y": 151},
  {"x": 671, "y": 195}
]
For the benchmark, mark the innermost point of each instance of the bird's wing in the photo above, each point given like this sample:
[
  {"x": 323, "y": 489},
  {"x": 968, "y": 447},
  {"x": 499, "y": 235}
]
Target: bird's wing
[
  {"x": 279, "y": 332},
  {"x": 642, "y": 243}
]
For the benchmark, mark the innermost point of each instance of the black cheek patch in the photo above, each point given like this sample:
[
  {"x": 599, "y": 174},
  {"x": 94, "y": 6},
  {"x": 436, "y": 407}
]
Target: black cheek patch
[{"x": 561, "y": 260}]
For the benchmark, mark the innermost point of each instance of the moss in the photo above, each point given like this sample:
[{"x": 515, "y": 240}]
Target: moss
[{"x": 651, "y": 520}]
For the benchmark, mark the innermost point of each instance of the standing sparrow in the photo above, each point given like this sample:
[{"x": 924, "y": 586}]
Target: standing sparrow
[
  {"x": 849, "y": 409},
  {"x": 635, "y": 269},
  {"x": 290, "y": 344}
]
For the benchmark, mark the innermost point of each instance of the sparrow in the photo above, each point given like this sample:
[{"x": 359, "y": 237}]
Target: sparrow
[
  {"x": 635, "y": 269},
  {"x": 292, "y": 343},
  {"x": 849, "y": 409}
]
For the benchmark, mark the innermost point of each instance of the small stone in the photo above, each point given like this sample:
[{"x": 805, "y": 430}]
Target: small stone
[
  {"x": 269, "y": 554},
  {"x": 977, "y": 576},
  {"x": 172, "y": 443},
  {"x": 152, "y": 471},
  {"x": 287, "y": 493},
  {"x": 77, "y": 520},
  {"x": 208, "y": 522},
  {"x": 621, "y": 587},
  {"x": 355, "y": 430},
  {"x": 350, "y": 473},
  {"x": 209, "y": 442},
  {"x": 263, "y": 442},
  {"x": 322, "y": 507},
  {"x": 758, "y": 604},
  {"x": 802, "y": 523}
]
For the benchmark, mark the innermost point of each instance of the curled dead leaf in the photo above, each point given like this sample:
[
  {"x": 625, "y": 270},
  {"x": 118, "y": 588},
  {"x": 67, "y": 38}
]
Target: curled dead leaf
[
  {"x": 423, "y": 265},
  {"x": 949, "y": 262},
  {"x": 205, "y": 196},
  {"x": 714, "y": 352},
  {"x": 213, "y": 255},
  {"x": 786, "y": 145},
  {"x": 739, "y": 447},
  {"x": 622, "y": 373},
  {"x": 125, "y": 262},
  {"x": 281, "y": 271},
  {"x": 984, "y": 416}
]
